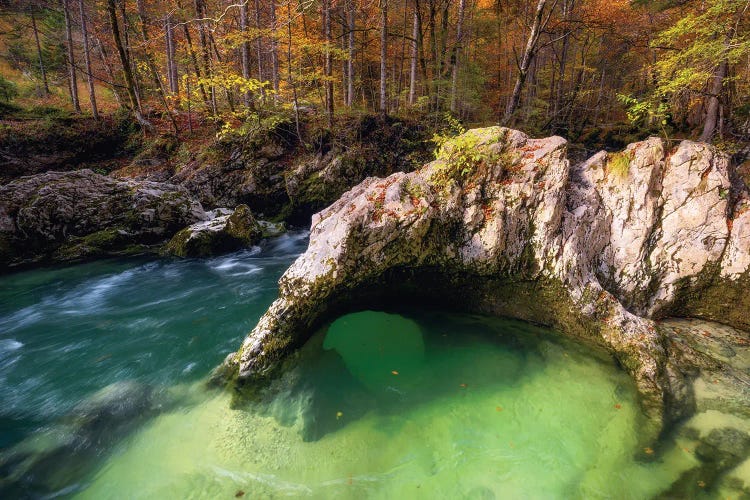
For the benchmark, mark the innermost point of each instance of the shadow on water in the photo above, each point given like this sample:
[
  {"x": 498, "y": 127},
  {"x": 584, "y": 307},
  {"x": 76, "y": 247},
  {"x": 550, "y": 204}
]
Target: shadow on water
[{"x": 390, "y": 364}]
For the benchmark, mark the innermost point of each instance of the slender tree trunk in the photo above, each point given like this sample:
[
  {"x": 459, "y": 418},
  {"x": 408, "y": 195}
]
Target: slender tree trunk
[
  {"x": 142, "y": 16},
  {"x": 87, "y": 60},
  {"x": 200, "y": 10},
  {"x": 350, "y": 61},
  {"x": 383, "y": 57},
  {"x": 559, "y": 86},
  {"x": 129, "y": 81},
  {"x": 714, "y": 103},
  {"x": 172, "y": 75},
  {"x": 259, "y": 48},
  {"x": 528, "y": 56},
  {"x": 413, "y": 65},
  {"x": 72, "y": 79},
  {"x": 457, "y": 55},
  {"x": 275, "y": 52},
  {"x": 108, "y": 68},
  {"x": 245, "y": 50},
  {"x": 327, "y": 63},
  {"x": 290, "y": 76},
  {"x": 42, "y": 69}
]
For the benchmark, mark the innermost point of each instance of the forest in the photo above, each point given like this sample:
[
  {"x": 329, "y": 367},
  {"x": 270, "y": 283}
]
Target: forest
[{"x": 588, "y": 70}]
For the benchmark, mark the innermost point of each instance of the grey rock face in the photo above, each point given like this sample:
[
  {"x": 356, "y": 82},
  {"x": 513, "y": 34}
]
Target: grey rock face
[
  {"x": 502, "y": 224},
  {"x": 228, "y": 231},
  {"x": 69, "y": 215}
]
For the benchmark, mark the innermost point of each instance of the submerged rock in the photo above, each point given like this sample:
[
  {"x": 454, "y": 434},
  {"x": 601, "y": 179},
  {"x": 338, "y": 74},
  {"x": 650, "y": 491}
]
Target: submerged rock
[
  {"x": 502, "y": 224},
  {"x": 47, "y": 461},
  {"x": 65, "y": 216},
  {"x": 225, "y": 232}
]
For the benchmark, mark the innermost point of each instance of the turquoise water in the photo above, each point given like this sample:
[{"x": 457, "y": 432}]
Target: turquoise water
[{"x": 419, "y": 404}]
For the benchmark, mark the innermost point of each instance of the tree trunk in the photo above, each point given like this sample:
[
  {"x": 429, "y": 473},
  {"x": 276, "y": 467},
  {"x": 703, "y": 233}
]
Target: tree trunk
[
  {"x": 72, "y": 80},
  {"x": 87, "y": 59},
  {"x": 350, "y": 62},
  {"x": 200, "y": 10},
  {"x": 172, "y": 76},
  {"x": 43, "y": 70},
  {"x": 151, "y": 65},
  {"x": 274, "y": 52},
  {"x": 290, "y": 75},
  {"x": 259, "y": 48},
  {"x": 528, "y": 56},
  {"x": 327, "y": 63},
  {"x": 714, "y": 103},
  {"x": 244, "y": 51},
  {"x": 108, "y": 67},
  {"x": 383, "y": 57},
  {"x": 413, "y": 67},
  {"x": 457, "y": 55},
  {"x": 129, "y": 81}
]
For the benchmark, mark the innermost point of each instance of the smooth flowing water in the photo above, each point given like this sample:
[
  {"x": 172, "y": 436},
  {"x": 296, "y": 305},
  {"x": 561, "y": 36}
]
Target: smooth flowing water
[{"x": 419, "y": 404}]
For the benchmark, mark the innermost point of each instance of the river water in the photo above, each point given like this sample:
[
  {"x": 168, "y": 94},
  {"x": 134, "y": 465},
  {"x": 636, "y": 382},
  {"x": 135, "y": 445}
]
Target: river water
[{"x": 420, "y": 404}]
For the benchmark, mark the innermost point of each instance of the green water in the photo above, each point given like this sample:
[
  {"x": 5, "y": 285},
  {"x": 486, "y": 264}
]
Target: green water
[{"x": 420, "y": 404}]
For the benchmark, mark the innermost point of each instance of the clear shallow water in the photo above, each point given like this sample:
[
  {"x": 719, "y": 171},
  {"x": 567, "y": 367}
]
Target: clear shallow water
[{"x": 417, "y": 405}]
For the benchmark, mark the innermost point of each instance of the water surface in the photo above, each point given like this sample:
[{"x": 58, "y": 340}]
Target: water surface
[{"x": 420, "y": 404}]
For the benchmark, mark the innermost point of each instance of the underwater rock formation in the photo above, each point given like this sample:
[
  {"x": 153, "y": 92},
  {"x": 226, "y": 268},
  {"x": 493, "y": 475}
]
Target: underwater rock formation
[
  {"x": 64, "y": 216},
  {"x": 43, "y": 464},
  {"x": 503, "y": 224}
]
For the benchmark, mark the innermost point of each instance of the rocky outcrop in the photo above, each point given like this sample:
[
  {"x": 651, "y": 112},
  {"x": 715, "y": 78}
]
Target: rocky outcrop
[
  {"x": 225, "y": 231},
  {"x": 65, "y": 216},
  {"x": 282, "y": 177},
  {"x": 502, "y": 224}
]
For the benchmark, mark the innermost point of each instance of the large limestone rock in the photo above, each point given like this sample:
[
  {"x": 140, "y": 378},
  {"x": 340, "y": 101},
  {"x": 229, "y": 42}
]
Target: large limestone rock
[
  {"x": 70, "y": 215},
  {"x": 502, "y": 224},
  {"x": 227, "y": 231}
]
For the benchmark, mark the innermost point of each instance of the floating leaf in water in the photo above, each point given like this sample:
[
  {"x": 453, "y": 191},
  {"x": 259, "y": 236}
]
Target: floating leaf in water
[
  {"x": 102, "y": 358},
  {"x": 239, "y": 494},
  {"x": 648, "y": 451},
  {"x": 339, "y": 414},
  {"x": 702, "y": 484},
  {"x": 618, "y": 406},
  {"x": 498, "y": 408},
  {"x": 394, "y": 372},
  {"x": 464, "y": 386}
]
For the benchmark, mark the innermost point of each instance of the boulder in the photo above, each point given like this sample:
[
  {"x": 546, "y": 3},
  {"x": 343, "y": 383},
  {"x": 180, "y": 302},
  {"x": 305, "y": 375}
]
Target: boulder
[
  {"x": 64, "y": 216},
  {"x": 226, "y": 231},
  {"x": 46, "y": 462},
  {"x": 502, "y": 224}
]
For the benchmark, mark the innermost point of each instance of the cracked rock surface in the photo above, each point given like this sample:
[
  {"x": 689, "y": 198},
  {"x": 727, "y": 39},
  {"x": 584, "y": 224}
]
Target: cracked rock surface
[{"x": 503, "y": 224}]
